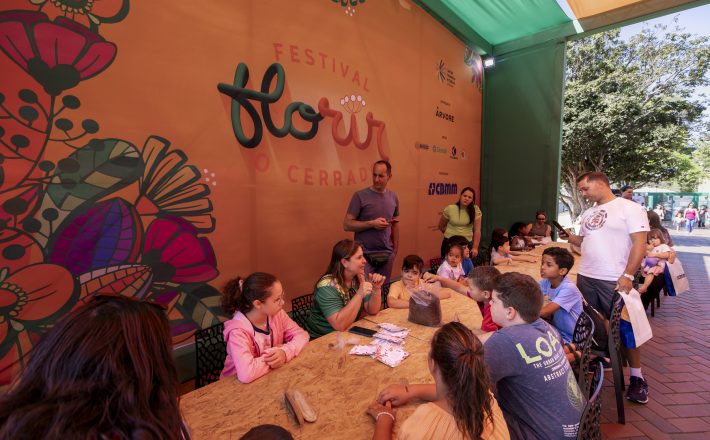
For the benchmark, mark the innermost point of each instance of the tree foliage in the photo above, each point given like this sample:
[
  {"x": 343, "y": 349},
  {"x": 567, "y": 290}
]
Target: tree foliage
[{"x": 629, "y": 106}]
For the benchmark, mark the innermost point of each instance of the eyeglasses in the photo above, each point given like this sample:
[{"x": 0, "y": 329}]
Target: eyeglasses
[
  {"x": 541, "y": 218},
  {"x": 118, "y": 296}
]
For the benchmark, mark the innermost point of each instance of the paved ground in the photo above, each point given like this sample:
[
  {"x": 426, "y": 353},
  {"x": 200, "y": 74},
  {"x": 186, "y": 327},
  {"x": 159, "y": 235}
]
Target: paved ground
[{"x": 676, "y": 362}]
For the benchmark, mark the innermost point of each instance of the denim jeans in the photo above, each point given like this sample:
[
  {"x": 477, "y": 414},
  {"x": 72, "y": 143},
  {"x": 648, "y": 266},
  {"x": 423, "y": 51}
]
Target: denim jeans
[{"x": 689, "y": 224}]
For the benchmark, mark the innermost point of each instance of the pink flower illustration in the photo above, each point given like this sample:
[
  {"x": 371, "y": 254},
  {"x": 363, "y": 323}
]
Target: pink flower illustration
[
  {"x": 176, "y": 254},
  {"x": 58, "y": 54}
]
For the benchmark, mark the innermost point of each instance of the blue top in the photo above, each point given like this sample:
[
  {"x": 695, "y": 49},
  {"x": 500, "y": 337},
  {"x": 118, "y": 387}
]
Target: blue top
[{"x": 569, "y": 298}]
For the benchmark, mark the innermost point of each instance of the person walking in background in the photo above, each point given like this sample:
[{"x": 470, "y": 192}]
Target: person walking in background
[
  {"x": 691, "y": 216},
  {"x": 660, "y": 212},
  {"x": 678, "y": 220},
  {"x": 702, "y": 216},
  {"x": 627, "y": 192},
  {"x": 373, "y": 215}
]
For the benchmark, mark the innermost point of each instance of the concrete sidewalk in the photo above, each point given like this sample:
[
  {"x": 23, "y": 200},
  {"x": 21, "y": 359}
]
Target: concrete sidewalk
[{"x": 676, "y": 362}]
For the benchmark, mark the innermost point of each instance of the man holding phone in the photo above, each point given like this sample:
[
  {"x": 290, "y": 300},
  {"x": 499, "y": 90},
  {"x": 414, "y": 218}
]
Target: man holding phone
[
  {"x": 613, "y": 242},
  {"x": 373, "y": 215}
]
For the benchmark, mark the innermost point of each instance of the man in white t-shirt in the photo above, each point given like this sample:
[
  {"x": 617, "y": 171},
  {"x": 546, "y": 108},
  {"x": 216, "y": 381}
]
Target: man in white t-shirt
[{"x": 613, "y": 240}]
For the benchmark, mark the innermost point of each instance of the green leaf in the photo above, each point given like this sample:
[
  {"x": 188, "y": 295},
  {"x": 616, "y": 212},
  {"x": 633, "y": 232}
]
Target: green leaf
[{"x": 99, "y": 172}]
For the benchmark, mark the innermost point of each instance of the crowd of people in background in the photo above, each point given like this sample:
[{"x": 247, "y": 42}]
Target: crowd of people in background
[
  {"x": 689, "y": 217},
  {"x": 111, "y": 360}
]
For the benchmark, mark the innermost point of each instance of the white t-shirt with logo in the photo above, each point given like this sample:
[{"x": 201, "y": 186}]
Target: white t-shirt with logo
[{"x": 607, "y": 244}]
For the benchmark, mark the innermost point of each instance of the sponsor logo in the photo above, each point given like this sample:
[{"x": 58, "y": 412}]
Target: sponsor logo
[
  {"x": 443, "y": 189},
  {"x": 421, "y": 146},
  {"x": 445, "y": 75},
  {"x": 438, "y": 149},
  {"x": 443, "y": 115}
]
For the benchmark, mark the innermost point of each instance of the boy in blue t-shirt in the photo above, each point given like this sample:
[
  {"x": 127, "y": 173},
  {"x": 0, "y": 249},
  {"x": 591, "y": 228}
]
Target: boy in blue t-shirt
[{"x": 565, "y": 304}]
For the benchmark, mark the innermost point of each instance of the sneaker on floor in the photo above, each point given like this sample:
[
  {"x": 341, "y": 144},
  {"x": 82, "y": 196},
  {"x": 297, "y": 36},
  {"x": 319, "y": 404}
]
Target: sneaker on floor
[{"x": 638, "y": 390}]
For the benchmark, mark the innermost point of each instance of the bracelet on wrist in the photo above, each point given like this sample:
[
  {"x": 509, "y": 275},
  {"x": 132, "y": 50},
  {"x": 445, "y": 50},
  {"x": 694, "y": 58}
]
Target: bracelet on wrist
[{"x": 383, "y": 412}]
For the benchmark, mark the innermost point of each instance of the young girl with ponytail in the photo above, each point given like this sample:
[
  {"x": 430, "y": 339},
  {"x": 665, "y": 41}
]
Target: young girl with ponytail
[
  {"x": 261, "y": 336},
  {"x": 461, "y": 406}
]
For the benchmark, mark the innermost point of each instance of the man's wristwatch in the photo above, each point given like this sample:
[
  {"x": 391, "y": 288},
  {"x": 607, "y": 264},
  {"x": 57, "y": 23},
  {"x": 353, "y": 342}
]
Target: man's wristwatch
[{"x": 628, "y": 276}]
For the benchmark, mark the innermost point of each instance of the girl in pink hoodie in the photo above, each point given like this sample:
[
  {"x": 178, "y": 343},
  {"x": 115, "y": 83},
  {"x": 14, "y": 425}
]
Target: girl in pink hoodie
[{"x": 260, "y": 337}]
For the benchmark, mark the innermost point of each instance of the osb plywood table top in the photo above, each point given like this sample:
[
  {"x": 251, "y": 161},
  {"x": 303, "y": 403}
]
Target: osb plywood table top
[
  {"x": 533, "y": 269},
  {"x": 337, "y": 385}
]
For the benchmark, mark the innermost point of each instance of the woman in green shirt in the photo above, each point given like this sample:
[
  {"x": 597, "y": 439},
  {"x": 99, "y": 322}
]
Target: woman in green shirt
[
  {"x": 462, "y": 218},
  {"x": 342, "y": 295}
]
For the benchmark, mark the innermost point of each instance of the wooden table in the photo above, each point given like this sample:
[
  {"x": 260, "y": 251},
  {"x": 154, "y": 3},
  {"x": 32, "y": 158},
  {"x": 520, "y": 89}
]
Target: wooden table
[
  {"x": 533, "y": 269},
  {"x": 338, "y": 386}
]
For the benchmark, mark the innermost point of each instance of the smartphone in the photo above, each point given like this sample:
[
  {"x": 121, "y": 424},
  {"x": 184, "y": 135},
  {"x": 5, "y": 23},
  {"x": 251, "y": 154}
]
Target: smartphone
[
  {"x": 362, "y": 331},
  {"x": 559, "y": 227}
]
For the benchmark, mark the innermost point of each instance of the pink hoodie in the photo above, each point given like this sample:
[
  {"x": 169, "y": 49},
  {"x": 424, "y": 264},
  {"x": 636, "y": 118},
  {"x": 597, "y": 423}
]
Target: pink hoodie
[{"x": 246, "y": 346}]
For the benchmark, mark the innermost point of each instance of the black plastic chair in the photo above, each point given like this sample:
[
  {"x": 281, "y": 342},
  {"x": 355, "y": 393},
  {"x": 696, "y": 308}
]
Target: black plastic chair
[
  {"x": 590, "y": 423},
  {"x": 211, "y": 352},
  {"x": 301, "y": 309},
  {"x": 582, "y": 340},
  {"x": 615, "y": 354},
  {"x": 434, "y": 264},
  {"x": 385, "y": 292}
]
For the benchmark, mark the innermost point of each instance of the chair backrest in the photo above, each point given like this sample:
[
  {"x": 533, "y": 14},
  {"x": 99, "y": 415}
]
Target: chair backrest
[
  {"x": 301, "y": 309},
  {"x": 582, "y": 339},
  {"x": 483, "y": 258},
  {"x": 385, "y": 292},
  {"x": 615, "y": 321},
  {"x": 434, "y": 264},
  {"x": 590, "y": 423},
  {"x": 211, "y": 352}
]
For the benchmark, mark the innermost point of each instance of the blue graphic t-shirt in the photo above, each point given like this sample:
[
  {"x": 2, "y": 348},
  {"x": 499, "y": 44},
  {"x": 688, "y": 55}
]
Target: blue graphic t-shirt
[
  {"x": 535, "y": 385},
  {"x": 569, "y": 298}
]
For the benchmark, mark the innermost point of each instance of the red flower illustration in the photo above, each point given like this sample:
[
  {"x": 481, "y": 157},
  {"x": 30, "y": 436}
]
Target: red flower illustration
[
  {"x": 31, "y": 299},
  {"x": 175, "y": 253},
  {"x": 59, "y": 54}
]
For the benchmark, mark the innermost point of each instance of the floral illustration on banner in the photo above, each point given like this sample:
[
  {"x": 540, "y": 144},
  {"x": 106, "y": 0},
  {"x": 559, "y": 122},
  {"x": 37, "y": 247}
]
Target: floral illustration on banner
[
  {"x": 349, "y": 5},
  {"x": 474, "y": 62},
  {"x": 68, "y": 228}
]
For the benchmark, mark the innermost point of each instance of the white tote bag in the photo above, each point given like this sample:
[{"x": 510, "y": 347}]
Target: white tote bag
[
  {"x": 677, "y": 273},
  {"x": 637, "y": 316}
]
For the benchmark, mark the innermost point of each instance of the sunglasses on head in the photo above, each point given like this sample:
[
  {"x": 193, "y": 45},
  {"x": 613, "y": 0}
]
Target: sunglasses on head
[{"x": 118, "y": 296}]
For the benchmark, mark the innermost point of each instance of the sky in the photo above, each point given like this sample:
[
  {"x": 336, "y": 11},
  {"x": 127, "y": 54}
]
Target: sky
[{"x": 695, "y": 21}]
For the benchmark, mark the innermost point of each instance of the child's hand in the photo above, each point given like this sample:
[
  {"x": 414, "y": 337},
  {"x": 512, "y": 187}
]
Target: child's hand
[
  {"x": 376, "y": 408},
  {"x": 396, "y": 394},
  {"x": 430, "y": 277},
  {"x": 377, "y": 280},
  {"x": 275, "y": 358}
]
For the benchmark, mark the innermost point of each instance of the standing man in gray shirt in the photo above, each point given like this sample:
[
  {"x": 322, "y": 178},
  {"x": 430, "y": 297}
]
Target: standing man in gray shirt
[{"x": 373, "y": 215}]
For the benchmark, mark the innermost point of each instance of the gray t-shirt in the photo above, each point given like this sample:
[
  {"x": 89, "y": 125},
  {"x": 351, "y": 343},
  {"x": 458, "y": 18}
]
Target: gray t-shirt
[
  {"x": 368, "y": 204},
  {"x": 535, "y": 385}
]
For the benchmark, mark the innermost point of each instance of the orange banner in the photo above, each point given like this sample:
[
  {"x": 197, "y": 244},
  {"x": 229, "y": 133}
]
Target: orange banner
[{"x": 126, "y": 169}]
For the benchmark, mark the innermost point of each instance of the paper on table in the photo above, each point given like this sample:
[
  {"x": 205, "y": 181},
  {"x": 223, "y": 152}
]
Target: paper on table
[
  {"x": 364, "y": 350},
  {"x": 391, "y": 358},
  {"x": 390, "y": 327}
]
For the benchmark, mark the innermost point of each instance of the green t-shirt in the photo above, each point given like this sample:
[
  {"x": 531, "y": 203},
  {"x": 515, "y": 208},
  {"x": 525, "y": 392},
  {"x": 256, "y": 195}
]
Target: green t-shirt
[
  {"x": 328, "y": 298},
  {"x": 459, "y": 221}
]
